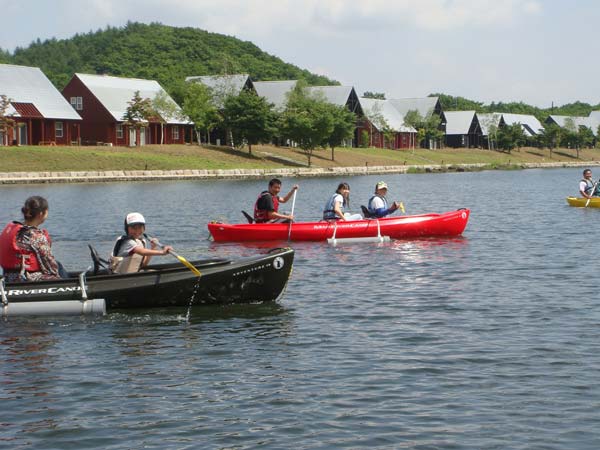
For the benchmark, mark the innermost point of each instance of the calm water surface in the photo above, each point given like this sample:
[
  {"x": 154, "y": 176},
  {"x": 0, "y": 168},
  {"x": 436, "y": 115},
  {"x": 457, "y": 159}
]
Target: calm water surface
[{"x": 489, "y": 341}]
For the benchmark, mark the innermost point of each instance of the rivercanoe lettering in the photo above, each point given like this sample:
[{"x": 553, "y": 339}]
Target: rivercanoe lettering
[{"x": 50, "y": 290}]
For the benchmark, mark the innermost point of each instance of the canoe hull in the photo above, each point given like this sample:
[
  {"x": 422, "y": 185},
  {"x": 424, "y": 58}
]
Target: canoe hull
[
  {"x": 581, "y": 202},
  {"x": 247, "y": 280},
  {"x": 450, "y": 223}
]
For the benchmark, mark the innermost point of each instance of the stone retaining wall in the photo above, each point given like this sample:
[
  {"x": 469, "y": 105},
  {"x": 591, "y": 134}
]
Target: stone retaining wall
[{"x": 153, "y": 175}]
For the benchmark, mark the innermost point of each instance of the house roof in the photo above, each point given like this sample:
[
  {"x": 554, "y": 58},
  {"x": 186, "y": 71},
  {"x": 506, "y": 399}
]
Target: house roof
[
  {"x": 486, "y": 121},
  {"x": 590, "y": 122},
  {"x": 26, "y": 110},
  {"x": 373, "y": 108},
  {"x": 337, "y": 95},
  {"x": 275, "y": 91},
  {"x": 459, "y": 122},
  {"x": 228, "y": 83},
  {"x": 531, "y": 126},
  {"x": 29, "y": 85},
  {"x": 424, "y": 105},
  {"x": 114, "y": 93}
]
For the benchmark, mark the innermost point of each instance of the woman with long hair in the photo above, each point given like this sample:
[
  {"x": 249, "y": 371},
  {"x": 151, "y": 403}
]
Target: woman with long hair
[{"x": 26, "y": 249}]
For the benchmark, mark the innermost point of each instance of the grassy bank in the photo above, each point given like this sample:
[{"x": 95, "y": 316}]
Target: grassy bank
[{"x": 173, "y": 157}]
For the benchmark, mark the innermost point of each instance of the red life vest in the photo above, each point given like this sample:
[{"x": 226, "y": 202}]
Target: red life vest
[
  {"x": 262, "y": 215},
  {"x": 11, "y": 255}
]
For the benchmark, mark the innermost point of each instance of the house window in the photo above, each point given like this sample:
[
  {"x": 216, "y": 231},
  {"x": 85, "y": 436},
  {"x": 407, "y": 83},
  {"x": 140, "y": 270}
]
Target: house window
[
  {"x": 58, "y": 129},
  {"x": 119, "y": 131},
  {"x": 77, "y": 103},
  {"x": 175, "y": 133}
]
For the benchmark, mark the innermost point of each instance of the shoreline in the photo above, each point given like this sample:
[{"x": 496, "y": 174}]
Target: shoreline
[{"x": 7, "y": 178}]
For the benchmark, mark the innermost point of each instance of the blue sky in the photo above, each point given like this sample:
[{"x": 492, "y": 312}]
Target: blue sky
[{"x": 535, "y": 51}]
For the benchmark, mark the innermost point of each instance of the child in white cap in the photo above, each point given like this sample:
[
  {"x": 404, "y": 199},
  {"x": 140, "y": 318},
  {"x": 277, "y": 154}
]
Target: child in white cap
[{"x": 132, "y": 251}]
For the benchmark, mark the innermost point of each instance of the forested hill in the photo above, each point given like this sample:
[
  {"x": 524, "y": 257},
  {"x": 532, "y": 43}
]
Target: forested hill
[{"x": 159, "y": 52}]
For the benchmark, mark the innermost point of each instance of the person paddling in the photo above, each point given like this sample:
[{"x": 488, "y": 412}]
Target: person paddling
[
  {"x": 266, "y": 207},
  {"x": 587, "y": 185},
  {"x": 26, "y": 250},
  {"x": 133, "y": 251},
  {"x": 378, "y": 205}
]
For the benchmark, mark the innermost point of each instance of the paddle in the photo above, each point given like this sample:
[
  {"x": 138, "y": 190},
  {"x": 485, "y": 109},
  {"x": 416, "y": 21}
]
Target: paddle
[
  {"x": 592, "y": 193},
  {"x": 292, "y": 214},
  {"x": 181, "y": 259}
]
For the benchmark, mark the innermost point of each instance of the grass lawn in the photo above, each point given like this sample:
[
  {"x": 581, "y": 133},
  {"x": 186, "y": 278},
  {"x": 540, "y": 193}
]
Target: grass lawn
[{"x": 172, "y": 157}]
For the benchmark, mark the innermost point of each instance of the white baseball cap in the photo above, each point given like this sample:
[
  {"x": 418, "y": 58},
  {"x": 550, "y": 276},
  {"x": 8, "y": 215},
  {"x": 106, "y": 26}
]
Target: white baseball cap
[{"x": 134, "y": 218}]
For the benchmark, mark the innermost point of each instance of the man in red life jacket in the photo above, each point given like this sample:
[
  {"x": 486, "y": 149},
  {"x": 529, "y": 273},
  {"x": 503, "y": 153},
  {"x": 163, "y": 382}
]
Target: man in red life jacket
[{"x": 266, "y": 208}]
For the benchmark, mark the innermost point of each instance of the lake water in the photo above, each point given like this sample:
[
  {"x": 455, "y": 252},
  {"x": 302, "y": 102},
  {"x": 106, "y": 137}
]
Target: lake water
[{"x": 489, "y": 341}]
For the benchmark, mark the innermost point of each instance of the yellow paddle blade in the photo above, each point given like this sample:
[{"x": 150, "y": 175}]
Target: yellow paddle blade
[
  {"x": 402, "y": 207},
  {"x": 189, "y": 265}
]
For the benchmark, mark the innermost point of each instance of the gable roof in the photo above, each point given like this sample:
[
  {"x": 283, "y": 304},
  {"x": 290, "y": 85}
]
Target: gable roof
[
  {"x": 373, "y": 108},
  {"x": 228, "y": 83},
  {"x": 590, "y": 122},
  {"x": 337, "y": 95},
  {"x": 28, "y": 85},
  {"x": 486, "y": 121},
  {"x": 459, "y": 122},
  {"x": 114, "y": 93},
  {"x": 275, "y": 91},
  {"x": 531, "y": 126},
  {"x": 424, "y": 105}
]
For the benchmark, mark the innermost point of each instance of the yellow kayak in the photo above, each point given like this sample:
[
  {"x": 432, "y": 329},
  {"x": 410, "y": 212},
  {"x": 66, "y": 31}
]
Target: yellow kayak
[{"x": 581, "y": 202}]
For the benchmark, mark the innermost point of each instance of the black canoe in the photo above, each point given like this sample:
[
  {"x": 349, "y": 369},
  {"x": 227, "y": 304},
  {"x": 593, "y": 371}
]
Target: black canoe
[{"x": 246, "y": 280}]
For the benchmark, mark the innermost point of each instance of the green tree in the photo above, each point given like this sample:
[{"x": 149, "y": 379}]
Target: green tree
[
  {"x": 570, "y": 138},
  {"x": 428, "y": 128},
  {"x": 6, "y": 121},
  {"x": 511, "y": 136},
  {"x": 250, "y": 118},
  {"x": 165, "y": 109},
  {"x": 551, "y": 136},
  {"x": 307, "y": 120},
  {"x": 364, "y": 138},
  {"x": 199, "y": 107},
  {"x": 137, "y": 114},
  {"x": 344, "y": 124}
]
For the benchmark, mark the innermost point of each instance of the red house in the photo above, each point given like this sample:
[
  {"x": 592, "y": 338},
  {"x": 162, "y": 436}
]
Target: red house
[
  {"x": 102, "y": 101},
  {"x": 379, "y": 117},
  {"x": 36, "y": 112}
]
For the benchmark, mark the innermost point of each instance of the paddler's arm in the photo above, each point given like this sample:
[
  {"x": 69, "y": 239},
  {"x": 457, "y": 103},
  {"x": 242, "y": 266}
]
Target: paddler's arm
[{"x": 288, "y": 196}]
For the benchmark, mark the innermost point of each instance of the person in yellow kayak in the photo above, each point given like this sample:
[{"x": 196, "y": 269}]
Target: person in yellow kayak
[
  {"x": 587, "y": 187},
  {"x": 378, "y": 205}
]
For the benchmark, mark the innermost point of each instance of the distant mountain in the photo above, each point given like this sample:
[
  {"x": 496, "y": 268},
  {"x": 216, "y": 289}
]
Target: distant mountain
[{"x": 155, "y": 51}]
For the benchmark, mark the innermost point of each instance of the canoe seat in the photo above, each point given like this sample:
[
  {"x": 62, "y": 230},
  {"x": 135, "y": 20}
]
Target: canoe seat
[
  {"x": 248, "y": 217},
  {"x": 98, "y": 262},
  {"x": 366, "y": 213}
]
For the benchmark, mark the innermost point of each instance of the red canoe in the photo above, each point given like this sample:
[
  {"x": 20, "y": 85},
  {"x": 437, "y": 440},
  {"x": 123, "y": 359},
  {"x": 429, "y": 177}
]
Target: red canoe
[{"x": 450, "y": 223}]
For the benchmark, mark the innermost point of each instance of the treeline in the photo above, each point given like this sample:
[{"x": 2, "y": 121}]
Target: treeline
[
  {"x": 155, "y": 51},
  {"x": 450, "y": 103}
]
